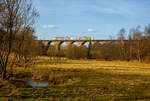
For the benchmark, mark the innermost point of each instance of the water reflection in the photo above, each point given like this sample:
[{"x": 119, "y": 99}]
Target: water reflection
[{"x": 37, "y": 84}]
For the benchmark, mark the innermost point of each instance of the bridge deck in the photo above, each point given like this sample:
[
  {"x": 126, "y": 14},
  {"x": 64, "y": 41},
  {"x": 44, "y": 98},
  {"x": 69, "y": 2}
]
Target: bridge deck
[{"x": 79, "y": 40}]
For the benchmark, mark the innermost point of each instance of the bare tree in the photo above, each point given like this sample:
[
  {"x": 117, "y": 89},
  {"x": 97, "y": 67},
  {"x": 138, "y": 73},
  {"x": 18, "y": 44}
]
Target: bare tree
[
  {"x": 15, "y": 15},
  {"x": 23, "y": 46},
  {"x": 137, "y": 37},
  {"x": 130, "y": 47},
  {"x": 121, "y": 38},
  {"x": 147, "y": 31}
]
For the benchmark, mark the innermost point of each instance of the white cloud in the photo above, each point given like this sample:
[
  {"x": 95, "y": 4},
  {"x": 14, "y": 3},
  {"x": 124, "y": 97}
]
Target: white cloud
[
  {"x": 49, "y": 26},
  {"x": 91, "y": 30}
]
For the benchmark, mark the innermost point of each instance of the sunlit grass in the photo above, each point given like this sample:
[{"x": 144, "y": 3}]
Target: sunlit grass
[{"x": 83, "y": 80}]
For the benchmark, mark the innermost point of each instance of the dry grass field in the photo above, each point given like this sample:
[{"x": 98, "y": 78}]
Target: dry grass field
[{"x": 78, "y": 80}]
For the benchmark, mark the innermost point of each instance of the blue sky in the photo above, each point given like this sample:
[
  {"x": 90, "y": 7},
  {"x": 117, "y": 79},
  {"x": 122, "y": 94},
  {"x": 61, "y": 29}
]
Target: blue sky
[{"x": 98, "y": 19}]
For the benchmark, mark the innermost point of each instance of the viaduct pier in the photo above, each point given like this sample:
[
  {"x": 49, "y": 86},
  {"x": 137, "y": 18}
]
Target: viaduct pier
[{"x": 58, "y": 43}]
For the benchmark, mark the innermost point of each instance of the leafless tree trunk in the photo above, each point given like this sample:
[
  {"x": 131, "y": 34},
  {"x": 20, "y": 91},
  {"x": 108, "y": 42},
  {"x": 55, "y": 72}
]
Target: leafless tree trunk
[
  {"x": 121, "y": 38},
  {"x": 139, "y": 51},
  {"x": 15, "y": 15},
  {"x": 89, "y": 50},
  {"x": 137, "y": 38}
]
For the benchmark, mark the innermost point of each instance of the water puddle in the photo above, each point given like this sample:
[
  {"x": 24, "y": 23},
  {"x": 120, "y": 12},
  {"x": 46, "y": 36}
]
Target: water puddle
[{"x": 37, "y": 84}]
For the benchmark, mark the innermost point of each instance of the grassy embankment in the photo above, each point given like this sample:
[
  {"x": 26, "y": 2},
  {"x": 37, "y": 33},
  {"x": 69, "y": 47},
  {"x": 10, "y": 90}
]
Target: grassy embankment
[{"x": 79, "y": 80}]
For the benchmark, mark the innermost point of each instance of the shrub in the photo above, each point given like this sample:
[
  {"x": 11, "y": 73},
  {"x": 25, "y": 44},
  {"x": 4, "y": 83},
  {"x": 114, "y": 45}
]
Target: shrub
[{"x": 75, "y": 52}]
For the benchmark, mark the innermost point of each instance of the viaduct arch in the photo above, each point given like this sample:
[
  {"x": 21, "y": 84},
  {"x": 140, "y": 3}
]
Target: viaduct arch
[{"x": 58, "y": 43}]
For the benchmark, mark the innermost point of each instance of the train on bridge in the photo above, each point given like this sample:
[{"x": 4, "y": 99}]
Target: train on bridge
[{"x": 72, "y": 38}]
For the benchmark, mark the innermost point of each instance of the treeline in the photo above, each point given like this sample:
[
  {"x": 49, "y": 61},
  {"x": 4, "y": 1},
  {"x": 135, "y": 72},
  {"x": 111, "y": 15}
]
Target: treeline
[
  {"x": 135, "y": 46},
  {"x": 71, "y": 52}
]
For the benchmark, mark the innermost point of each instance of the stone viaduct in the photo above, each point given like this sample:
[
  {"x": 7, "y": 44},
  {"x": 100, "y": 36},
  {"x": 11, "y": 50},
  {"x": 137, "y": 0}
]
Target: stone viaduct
[{"x": 58, "y": 43}]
